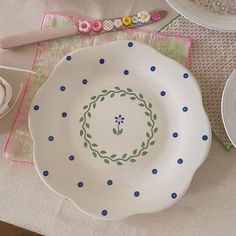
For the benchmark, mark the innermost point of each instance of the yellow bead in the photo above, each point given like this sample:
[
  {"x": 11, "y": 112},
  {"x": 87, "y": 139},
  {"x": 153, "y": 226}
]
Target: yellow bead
[{"x": 126, "y": 20}]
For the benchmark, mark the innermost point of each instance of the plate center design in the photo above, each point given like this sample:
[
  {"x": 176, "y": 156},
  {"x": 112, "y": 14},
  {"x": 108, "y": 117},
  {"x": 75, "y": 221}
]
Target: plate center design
[
  {"x": 119, "y": 120},
  {"x": 118, "y": 126}
]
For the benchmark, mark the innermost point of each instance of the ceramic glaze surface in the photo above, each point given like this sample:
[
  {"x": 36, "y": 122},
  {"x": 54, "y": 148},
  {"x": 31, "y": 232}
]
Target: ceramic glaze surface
[
  {"x": 5, "y": 97},
  {"x": 228, "y": 105},
  {"x": 203, "y": 16},
  {"x": 2, "y": 94},
  {"x": 119, "y": 129}
]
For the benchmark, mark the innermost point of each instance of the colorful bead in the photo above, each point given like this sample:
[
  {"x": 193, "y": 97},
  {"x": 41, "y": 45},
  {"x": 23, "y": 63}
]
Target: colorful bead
[
  {"x": 143, "y": 16},
  {"x": 96, "y": 26},
  {"x": 84, "y": 26},
  {"x": 126, "y": 20},
  {"x": 135, "y": 20},
  {"x": 155, "y": 16},
  {"x": 107, "y": 25},
  {"x": 117, "y": 23}
]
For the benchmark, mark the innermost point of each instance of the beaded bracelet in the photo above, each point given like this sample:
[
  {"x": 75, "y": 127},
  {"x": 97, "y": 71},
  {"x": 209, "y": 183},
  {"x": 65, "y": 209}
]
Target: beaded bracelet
[{"x": 101, "y": 26}]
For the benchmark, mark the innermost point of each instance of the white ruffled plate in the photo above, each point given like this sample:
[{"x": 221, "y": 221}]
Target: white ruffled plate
[
  {"x": 119, "y": 129},
  {"x": 204, "y": 17}
]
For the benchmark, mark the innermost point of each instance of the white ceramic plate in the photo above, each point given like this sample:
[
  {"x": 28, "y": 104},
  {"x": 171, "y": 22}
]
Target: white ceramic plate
[
  {"x": 204, "y": 17},
  {"x": 119, "y": 129},
  {"x": 228, "y": 108},
  {"x": 5, "y": 97}
]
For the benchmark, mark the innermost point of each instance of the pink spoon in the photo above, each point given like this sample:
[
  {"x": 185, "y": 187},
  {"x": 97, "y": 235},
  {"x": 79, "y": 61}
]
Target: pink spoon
[{"x": 52, "y": 33}]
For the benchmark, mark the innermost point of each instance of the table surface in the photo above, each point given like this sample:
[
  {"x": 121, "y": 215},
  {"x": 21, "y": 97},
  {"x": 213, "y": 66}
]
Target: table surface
[
  {"x": 208, "y": 208},
  {"x": 12, "y": 230}
]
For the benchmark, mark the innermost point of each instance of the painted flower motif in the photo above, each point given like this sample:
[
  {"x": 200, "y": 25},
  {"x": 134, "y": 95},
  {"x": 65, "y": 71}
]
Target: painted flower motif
[
  {"x": 117, "y": 23},
  {"x": 135, "y": 19},
  {"x": 126, "y": 20},
  {"x": 143, "y": 16},
  {"x": 119, "y": 119}
]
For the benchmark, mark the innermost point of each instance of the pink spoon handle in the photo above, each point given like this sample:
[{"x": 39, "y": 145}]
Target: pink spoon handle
[{"x": 37, "y": 36}]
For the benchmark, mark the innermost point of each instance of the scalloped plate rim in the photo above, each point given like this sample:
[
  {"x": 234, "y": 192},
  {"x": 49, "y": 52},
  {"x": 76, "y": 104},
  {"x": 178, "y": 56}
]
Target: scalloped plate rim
[
  {"x": 187, "y": 183},
  {"x": 206, "y": 20}
]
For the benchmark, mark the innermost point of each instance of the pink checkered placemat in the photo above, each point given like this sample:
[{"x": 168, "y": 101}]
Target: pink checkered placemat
[{"x": 19, "y": 144}]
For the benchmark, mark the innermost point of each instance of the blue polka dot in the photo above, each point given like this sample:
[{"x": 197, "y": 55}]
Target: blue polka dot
[
  {"x": 175, "y": 134},
  {"x": 84, "y": 81},
  {"x": 50, "y": 138},
  {"x": 130, "y": 44},
  {"x": 185, "y": 75},
  {"x": 64, "y": 114},
  {"x": 36, "y": 107},
  {"x": 163, "y": 93},
  {"x": 185, "y": 109},
  {"x": 109, "y": 182},
  {"x": 154, "y": 171},
  {"x": 136, "y": 193},
  {"x": 80, "y": 184},
  {"x": 102, "y": 61},
  {"x": 104, "y": 212},
  {"x": 153, "y": 68},
  {"x": 204, "y": 137},
  {"x": 68, "y": 58},
  {"x": 71, "y": 158},
  {"x": 45, "y": 173},
  {"x": 126, "y": 72},
  {"x": 62, "y": 88},
  {"x": 180, "y": 161},
  {"x": 174, "y": 195}
]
